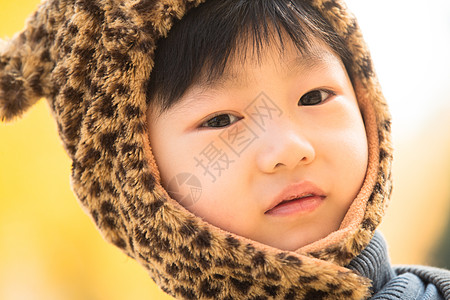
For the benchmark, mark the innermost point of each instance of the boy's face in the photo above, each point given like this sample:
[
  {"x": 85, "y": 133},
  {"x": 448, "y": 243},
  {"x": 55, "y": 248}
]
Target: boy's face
[{"x": 265, "y": 138}]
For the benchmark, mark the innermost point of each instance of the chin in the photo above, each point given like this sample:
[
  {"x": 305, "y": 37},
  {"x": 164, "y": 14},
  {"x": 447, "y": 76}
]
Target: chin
[{"x": 300, "y": 240}]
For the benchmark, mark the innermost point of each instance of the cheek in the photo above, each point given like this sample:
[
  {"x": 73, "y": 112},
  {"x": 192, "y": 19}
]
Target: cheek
[
  {"x": 188, "y": 167},
  {"x": 354, "y": 166},
  {"x": 184, "y": 161},
  {"x": 221, "y": 202},
  {"x": 343, "y": 141},
  {"x": 352, "y": 154},
  {"x": 356, "y": 143},
  {"x": 174, "y": 160}
]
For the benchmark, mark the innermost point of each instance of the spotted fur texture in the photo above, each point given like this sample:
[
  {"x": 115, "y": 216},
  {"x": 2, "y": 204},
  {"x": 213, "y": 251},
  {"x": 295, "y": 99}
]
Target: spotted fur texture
[{"x": 91, "y": 59}]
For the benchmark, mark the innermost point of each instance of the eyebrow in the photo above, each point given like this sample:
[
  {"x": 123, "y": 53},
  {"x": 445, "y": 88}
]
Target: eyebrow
[
  {"x": 301, "y": 64},
  {"x": 311, "y": 61}
]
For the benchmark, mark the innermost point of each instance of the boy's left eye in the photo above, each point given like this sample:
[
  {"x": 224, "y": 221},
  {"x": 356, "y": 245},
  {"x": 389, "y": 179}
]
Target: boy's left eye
[{"x": 315, "y": 97}]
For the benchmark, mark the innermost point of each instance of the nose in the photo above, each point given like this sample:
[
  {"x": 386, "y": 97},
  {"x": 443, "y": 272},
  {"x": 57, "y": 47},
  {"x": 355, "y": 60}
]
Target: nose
[{"x": 285, "y": 148}]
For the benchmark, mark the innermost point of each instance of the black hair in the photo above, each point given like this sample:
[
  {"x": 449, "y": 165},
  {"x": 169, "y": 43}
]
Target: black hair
[{"x": 199, "y": 45}]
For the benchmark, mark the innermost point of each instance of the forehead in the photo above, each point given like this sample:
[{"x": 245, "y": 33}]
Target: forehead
[{"x": 289, "y": 60}]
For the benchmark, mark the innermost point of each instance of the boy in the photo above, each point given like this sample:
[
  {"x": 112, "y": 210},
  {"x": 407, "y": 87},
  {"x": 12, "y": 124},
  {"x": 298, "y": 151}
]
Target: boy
[{"x": 283, "y": 202}]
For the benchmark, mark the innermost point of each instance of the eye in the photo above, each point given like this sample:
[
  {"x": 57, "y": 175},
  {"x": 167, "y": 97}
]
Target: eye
[
  {"x": 315, "y": 97},
  {"x": 220, "y": 121}
]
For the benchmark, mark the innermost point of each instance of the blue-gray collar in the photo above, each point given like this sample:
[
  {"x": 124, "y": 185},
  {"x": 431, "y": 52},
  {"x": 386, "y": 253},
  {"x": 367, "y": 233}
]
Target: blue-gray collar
[{"x": 399, "y": 282}]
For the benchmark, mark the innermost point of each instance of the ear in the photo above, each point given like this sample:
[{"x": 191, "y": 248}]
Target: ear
[{"x": 25, "y": 66}]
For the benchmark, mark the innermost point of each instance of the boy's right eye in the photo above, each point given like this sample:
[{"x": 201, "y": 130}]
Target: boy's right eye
[{"x": 219, "y": 121}]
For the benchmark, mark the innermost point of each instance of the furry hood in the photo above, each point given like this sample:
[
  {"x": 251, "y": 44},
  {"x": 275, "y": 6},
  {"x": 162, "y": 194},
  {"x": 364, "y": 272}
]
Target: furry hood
[{"x": 91, "y": 60}]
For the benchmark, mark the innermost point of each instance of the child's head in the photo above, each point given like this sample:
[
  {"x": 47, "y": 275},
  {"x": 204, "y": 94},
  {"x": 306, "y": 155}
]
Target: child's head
[{"x": 250, "y": 97}]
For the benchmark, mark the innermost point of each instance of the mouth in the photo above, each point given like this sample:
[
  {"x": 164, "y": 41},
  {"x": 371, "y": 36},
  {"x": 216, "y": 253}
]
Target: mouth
[{"x": 299, "y": 198}]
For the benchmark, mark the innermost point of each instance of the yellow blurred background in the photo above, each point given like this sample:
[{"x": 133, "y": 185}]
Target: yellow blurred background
[{"x": 49, "y": 249}]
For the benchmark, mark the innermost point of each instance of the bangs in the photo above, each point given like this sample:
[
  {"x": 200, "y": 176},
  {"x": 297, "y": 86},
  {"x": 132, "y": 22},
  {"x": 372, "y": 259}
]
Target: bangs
[{"x": 201, "y": 44}]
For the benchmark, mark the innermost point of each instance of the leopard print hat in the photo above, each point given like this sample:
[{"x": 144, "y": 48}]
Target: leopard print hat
[{"x": 91, "y": 60}]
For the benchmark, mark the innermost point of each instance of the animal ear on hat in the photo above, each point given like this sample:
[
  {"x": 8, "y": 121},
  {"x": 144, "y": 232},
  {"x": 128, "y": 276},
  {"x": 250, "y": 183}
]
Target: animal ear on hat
[{"x": 25, "y": 66}]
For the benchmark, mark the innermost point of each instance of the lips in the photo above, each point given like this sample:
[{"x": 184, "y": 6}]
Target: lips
[{"x": 296, "y": 198}]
